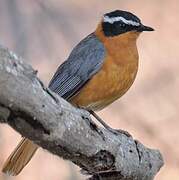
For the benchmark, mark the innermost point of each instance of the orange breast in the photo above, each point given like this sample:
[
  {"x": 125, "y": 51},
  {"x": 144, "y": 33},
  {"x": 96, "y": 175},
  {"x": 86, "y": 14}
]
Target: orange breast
[{"x": 116, "y": 75}]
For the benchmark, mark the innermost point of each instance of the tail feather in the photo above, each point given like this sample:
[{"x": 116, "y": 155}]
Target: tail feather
[{"x": 19, "y": 157}]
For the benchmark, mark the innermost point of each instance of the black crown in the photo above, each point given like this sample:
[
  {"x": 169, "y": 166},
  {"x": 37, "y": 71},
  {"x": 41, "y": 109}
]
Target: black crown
[
  {"x": 125, "y": 14},
  {"x": 111, "y": 27}
]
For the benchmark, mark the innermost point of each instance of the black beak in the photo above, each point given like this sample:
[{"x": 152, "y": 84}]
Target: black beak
[{"x": 142, "y": 28}]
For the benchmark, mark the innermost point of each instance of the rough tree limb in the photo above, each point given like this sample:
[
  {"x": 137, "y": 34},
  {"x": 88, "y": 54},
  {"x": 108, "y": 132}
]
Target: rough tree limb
[{"x": 52, "y": 123}]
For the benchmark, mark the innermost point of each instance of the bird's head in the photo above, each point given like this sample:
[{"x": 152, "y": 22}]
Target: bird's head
[{"x": 119, "y": 22}]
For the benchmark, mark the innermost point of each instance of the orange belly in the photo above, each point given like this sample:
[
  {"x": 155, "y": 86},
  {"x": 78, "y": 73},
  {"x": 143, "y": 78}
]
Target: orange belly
[
  {"x": 110, "y": 83},
  {"x": 116, "y": 75}
]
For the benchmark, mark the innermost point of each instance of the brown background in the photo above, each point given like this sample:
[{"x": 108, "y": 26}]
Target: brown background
[{"x": 45, "y": 31}]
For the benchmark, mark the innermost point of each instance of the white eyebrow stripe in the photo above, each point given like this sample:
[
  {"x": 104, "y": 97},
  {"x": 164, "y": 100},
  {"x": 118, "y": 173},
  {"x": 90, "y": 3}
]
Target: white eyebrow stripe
[{"x": 116, "y": 19}]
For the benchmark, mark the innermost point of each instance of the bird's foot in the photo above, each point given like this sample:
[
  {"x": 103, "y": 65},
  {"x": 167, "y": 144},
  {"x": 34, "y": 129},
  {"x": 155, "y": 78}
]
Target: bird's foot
[
  {"x": 114, "y": 131},
  {"x": 119, "y": 131},
  {"x": 93, "y": 126}
]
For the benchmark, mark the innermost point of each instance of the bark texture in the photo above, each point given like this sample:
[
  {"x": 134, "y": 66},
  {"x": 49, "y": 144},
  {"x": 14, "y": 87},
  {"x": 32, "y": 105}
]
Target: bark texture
[{"x": 54, "y": 124}]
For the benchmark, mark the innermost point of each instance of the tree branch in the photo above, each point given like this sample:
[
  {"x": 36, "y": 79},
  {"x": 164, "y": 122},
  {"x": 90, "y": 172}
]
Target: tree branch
[{"x": 54, "y": 124}]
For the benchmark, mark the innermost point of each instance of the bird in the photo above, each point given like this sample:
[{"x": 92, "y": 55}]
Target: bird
[{"x": 99, "y": 70}]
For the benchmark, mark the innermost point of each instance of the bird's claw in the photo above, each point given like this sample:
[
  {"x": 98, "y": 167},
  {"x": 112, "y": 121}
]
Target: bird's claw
[{"x": 119, "y": 131}]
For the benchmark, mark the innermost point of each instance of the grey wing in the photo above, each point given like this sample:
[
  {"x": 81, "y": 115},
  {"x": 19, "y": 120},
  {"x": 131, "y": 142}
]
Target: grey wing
[{"x": 84, "y": 61}]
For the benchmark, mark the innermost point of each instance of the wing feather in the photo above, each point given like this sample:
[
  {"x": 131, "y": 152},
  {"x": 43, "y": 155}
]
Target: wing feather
[{"x": 84, "y": 61}]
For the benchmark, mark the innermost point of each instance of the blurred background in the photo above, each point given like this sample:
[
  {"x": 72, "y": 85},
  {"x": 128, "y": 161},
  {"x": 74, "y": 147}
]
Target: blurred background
[{"x": 44, "y": 32}]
